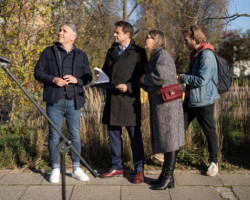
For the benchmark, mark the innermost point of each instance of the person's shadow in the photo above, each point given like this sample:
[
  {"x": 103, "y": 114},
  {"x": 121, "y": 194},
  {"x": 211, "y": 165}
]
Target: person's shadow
[
  {"x": 46, "y": 175},
  {"x": 129, "y": 175}
]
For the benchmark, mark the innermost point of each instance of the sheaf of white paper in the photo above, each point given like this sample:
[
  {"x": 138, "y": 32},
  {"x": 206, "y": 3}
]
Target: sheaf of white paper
[{"x": 103, "y": 78}]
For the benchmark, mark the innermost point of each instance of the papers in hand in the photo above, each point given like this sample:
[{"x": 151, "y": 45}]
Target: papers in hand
[{"x": 103, "y": 78}]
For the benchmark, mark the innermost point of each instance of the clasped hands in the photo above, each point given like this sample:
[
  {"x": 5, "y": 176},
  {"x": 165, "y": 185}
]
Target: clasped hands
[
  {"x": 121, "y": 87},
  {"x": 67, "y": 79}
]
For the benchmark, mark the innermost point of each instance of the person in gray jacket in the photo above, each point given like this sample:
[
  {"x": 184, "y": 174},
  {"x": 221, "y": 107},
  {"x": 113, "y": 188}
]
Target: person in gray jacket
[
  {"x": 201, "y": 93},
  {"x": 166, "y": 119}
]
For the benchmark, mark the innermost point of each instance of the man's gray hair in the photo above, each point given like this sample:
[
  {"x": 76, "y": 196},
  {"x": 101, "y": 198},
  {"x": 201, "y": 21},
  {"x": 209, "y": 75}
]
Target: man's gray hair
[{"x": 72, "y": 26}]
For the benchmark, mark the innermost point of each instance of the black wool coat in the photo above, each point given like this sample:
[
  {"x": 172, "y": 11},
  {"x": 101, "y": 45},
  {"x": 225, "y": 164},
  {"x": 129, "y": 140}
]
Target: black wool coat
[
  {"x": 124, "y": 109},
  {"x": 49, "y": 66}
]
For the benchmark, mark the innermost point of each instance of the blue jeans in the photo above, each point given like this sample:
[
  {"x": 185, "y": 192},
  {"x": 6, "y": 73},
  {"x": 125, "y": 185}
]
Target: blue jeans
[
  {"x": 56, "y": 112},
  {"x": 136, "y": 145}
]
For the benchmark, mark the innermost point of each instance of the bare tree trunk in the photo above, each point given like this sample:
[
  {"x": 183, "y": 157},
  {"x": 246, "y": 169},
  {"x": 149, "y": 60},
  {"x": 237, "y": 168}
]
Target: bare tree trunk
[
  {"x": 125, "y": 12},
  {"x": 31, "y": 33},
  {"x": 13, "y": 107}
]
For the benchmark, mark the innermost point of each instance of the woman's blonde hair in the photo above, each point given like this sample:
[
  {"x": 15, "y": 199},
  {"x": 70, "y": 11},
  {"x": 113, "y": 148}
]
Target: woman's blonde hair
[
  {"x": 159, "y": 37},
  {"x": 195, "y": 33}
]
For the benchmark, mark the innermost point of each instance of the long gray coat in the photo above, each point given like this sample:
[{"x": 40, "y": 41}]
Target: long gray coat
[{"x": 166, "y": 120}]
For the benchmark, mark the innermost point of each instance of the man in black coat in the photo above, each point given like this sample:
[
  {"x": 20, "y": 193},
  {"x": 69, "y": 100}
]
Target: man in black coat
[
  {"x": 64, "y": 70},
  {"x": 124, "y": 66}
]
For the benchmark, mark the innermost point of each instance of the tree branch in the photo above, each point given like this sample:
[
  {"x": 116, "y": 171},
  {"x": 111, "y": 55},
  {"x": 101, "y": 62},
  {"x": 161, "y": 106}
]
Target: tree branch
[
  {"x": 228, "y": 18},
  {"x": 133, "y": 9}
]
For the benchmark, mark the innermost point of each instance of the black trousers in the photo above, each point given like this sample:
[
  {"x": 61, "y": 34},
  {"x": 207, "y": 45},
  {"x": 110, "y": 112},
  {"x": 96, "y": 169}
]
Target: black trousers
[{"x": 205, "y": 117}]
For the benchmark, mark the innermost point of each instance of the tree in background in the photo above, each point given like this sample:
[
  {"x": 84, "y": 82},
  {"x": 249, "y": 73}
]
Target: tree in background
[
  {"x": 27, "y": 27},
  {"x": 235, "y": 46},
  {"x": 95, "y": 20},
  {"x": 173, "y": 16},
  {"x": 25, "y": 30}
]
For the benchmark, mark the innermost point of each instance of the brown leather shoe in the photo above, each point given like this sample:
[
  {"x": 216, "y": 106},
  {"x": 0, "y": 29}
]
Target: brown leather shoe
[
  {"x": 139, "y": 178},
  {"x": 112, "y": 173}
]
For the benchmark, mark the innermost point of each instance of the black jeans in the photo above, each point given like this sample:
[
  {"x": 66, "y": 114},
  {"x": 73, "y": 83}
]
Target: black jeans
[{"x": 205, "y": 117}]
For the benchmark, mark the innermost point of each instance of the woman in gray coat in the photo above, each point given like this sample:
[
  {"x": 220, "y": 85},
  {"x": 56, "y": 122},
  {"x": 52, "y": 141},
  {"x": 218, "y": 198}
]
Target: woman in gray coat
[{"x": 166, "y": 119}]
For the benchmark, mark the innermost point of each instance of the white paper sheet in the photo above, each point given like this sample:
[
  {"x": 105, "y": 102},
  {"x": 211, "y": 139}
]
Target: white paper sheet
[{"x": 103, "y": 78}]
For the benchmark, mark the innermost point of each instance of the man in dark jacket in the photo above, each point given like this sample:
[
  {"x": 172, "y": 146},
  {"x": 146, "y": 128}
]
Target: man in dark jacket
[
  {"x": 124, "y": 66},
  {"x": 64, "y": 70}
]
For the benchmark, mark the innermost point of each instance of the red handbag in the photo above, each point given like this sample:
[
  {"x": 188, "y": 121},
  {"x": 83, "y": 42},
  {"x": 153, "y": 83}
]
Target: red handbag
[{"x": 170, "y": 93}]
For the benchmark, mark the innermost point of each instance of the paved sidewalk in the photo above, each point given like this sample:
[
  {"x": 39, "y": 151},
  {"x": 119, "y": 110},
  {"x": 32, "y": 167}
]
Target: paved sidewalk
[{"x": 30, "y": 185}]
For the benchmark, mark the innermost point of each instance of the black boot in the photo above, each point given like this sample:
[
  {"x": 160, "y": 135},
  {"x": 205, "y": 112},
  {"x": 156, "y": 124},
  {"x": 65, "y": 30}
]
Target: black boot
[
  {"x": 167, "y": 180},
  {"x": 159, "y": 179}
]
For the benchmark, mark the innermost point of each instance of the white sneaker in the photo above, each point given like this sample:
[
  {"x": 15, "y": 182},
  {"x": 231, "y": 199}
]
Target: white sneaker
[
  {"x": 212, "y": 170},
  {"x": 55, "y": 176},
  {"x": 80, "y": 175}
]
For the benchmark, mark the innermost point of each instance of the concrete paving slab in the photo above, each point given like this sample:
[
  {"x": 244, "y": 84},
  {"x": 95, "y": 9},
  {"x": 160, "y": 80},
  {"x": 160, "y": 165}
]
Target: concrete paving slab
[
  {"x": 189, "y": 185},
  {"x": 68, "y": 180},
  {"x": 226, "y": 193},
  {"x": 143, "y": 193},
  {"x": 111, "y": 181},
  {"x": 5, "y": 171},
  {"x": 242, "y": 192},
  {"x": 194, "y": 193},
  {"x": 93, "y": 192},
  {"x": 234, "y": 172},
  {"x": 197, "y": 179},
  {"x": 235, "y": 179},
  {"x": 122, "y": 180},
  {"x": 186, "y": 171},
  {"x": 11, "y": 192},
  {"x": 45, "y": 192},
  {"x": 153, "y": 172},
  {"x": 22, "y": 179}
]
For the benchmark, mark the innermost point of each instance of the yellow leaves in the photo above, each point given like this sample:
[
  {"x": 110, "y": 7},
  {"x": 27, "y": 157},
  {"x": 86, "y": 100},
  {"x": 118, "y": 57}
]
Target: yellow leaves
[
  {"x": 23, "y": 100},
  {"x": 4, "y": 80},
  {"x": 15, "y": 36}
]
